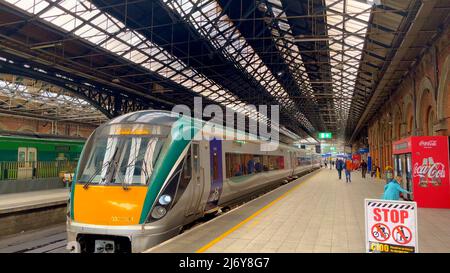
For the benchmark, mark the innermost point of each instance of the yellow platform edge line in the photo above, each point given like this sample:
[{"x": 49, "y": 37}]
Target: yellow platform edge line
[{"x": 228, "y": 232}]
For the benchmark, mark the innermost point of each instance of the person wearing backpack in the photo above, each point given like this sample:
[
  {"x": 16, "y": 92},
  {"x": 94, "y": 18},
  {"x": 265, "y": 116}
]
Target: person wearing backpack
[{"x": 339, "y": 167}]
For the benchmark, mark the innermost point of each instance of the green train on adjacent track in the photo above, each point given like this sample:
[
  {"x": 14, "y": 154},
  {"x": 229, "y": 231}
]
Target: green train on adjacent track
[
  {"x": 26, "y": 148},
  {"x": 34, "y": 156}
]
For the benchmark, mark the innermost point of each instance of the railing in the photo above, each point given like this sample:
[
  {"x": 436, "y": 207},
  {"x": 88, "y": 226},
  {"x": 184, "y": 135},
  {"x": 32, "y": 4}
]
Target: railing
[{"x": 13, "y": 170}]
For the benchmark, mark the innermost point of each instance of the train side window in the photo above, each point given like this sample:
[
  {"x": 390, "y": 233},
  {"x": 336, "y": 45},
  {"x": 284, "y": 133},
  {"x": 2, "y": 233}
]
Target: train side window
[
  {"x": 187, "y": 167},
  {"x": 280, "y": 161},
  {"x": 22, "y": 154},
  {"x": 215, "y": 161},
  {"x": 249, "y": 164},
  {"x": 186, "y": 175},
  {"x": 32, "y": 154},
  {"x": 196, "y": 157},
  {"x": 233, "y": 165},
  {"x": 258, "y": 163}
]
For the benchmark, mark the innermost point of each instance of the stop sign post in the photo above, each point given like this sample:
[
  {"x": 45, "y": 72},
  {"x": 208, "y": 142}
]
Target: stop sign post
[{"x": 391, "y": 226}]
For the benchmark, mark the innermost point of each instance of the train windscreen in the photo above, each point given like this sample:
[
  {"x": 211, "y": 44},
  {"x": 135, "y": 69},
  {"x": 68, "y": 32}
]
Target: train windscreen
[{"x": 122, "y": 154}]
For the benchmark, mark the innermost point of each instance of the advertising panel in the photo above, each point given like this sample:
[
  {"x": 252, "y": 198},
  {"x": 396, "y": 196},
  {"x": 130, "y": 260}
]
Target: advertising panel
[
  {"x": 402, "y": 146},
  {"x": 356, "y": 158},
  {"x": 430, "y": 171}
]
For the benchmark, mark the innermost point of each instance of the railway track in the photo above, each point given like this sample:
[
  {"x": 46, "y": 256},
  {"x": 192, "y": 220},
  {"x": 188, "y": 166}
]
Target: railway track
[
  {"x": 48, "y": 240},
  {"x": 53, "y": 239}
]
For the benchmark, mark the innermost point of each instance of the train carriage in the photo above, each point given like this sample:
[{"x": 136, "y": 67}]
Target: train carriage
[
  {"x": 27, "y": 157},
  {"x": 26, "y": 148},
  {"x": 140, "y": 180}
]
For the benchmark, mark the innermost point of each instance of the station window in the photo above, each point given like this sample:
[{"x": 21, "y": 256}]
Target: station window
[{"x": 248, "y": 164}]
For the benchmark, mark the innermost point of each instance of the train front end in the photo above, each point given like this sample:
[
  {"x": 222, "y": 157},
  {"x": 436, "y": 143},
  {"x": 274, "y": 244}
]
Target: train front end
[{"x": 121, "y": 192}]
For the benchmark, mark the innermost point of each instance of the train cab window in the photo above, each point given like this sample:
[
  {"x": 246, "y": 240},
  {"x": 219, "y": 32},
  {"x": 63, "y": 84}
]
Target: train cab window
[{"x": 120, "y": 158}]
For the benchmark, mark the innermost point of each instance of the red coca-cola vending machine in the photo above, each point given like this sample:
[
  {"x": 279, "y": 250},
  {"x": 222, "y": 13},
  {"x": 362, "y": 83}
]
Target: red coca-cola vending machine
[
  {"x": 356, "y": 158},
  {"x": 423, "y": 162}
]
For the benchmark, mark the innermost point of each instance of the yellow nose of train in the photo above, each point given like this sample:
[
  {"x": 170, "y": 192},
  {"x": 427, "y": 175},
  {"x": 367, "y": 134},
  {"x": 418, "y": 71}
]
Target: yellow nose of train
[{"x": 108, "y": 205}]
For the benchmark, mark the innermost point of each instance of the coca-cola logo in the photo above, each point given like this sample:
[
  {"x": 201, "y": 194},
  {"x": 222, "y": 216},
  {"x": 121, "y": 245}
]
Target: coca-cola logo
[
  {"x": 436, "y": 170},
  {"x": 429, "y": 143}
]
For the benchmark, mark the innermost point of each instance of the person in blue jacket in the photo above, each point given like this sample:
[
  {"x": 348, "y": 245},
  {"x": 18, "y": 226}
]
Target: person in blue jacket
[
  {"x": 392, "y": 189},
  {"x": 339, "y": 167}
]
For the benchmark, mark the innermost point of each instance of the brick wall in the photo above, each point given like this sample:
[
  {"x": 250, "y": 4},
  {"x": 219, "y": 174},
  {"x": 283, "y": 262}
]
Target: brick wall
[
  {"x": 420, "y": 106},
  {"x": 27, "y": 125}
]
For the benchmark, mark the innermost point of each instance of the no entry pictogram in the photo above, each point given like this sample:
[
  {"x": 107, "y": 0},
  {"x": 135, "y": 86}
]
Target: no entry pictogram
[
  {"x": 402, "y": 234},
  {"x": 380, "y": 232}
]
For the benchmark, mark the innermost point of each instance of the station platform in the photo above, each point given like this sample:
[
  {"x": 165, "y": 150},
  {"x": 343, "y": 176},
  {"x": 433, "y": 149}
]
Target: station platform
[
  {"x": 315, "y": 213},
  {"x": 27, "y": 211},
  {"x": 15, "y": 202}
]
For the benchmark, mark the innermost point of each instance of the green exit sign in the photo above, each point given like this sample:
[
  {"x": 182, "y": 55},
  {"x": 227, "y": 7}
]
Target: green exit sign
[
  {"x": 332, "y": 148},
  {"x": 325, "y": 135}
]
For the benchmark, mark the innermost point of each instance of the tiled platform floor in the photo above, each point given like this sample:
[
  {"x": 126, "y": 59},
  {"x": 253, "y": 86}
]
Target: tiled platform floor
[{"x": 323, "y": 214}]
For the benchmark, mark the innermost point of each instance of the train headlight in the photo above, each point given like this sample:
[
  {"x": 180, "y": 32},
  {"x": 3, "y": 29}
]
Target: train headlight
[
  {"x": 165, "y": 199},
  {"x": 158, "y": 212}
]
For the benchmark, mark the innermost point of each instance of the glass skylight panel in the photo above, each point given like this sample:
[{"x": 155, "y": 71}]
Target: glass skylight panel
[
  {"x": 202, "y": 21},
  {"x": 348, "y": 51},
  {"x": 115, "y": 46},
  {"x": 86, "y": 32},
  {"x": 37, "y": 7},
  {"x": 31, "y": 6},
  {"x": 95, "y": 27},
  {"x": 289, "y": 50}
]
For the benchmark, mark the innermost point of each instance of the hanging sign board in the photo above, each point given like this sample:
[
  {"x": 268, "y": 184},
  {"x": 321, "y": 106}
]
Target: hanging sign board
[
  {"x": 325, "y": 135},
  {"x": 391, "y": 226}
]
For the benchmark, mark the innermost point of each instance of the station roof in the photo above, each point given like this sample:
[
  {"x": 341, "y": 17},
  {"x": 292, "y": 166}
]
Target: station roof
[
  {"x": 325, "y": 62},
  {"x": 32, "y": 98}
]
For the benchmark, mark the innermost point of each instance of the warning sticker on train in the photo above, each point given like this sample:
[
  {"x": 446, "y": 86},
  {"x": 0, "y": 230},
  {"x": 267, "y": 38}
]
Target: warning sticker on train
[{"x": 391, "y": 226}]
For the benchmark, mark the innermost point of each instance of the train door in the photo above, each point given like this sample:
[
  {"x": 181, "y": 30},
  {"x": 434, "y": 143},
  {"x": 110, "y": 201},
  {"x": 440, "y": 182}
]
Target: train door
[
  {"x": 26, "y": 159},
  {"x": 216, "y": 174},
  {"x": 292, "y": 160},
  {"x": 197, "y": 179}
]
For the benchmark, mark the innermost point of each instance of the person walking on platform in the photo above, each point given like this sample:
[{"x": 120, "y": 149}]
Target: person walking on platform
[
  {"x": 392, "y": 189},
  {"x": 348, "y": 169},
  {"x": 339, "y": 167},
  {"x": 363, "y": 168}
]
